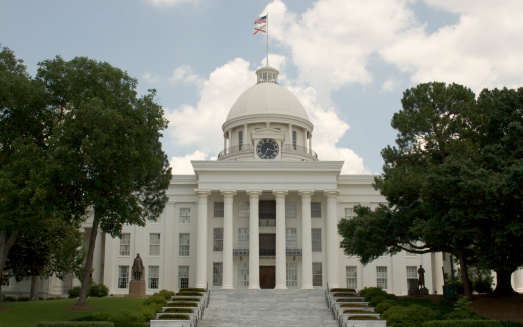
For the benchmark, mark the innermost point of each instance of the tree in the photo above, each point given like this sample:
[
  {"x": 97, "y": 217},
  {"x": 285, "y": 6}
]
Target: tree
[{"x": 108, "y": 145}]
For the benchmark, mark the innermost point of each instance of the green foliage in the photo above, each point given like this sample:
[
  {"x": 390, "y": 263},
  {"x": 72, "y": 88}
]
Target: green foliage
[
  {"x": 333, "y": 290},
  {"x": 155, "y": 299},
  {"x": 166, "y": 294},
  {"x": 98, "y": 290},
  {"x": 384, "y": 305},
  {"x": 126, "y": 317},
  {"x": 179, "y": 310},
  {"x": 174, "y": 317},
  {"x": 462, "y": 323},
  {"x": 75, "y": 324},
  {"x": 149, "y": 311},
  {"x": 97, "y": 316},
  {"x": 414, "y": 314},
  {"x": 74, "y": 292},
  {"x": 511, "y": 324},
  {"x": 370, "y": 293},
  {"x": 183, "y": 304},
  {"x": 192, "y": 289}
]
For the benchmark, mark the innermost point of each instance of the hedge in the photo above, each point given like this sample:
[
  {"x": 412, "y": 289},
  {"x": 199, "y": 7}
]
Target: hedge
[
  {"x": 462, "y": 323},
  {"x": 75, "y": 324}
]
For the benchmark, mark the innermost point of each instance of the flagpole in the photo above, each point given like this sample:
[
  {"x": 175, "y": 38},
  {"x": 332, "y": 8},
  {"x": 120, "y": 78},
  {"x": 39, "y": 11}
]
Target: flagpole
[{"x": 267, "y": 39}]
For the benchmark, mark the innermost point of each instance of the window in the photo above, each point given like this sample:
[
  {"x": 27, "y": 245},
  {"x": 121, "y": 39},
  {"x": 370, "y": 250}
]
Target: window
[
  {"x": 243, "y": 238},
  {"x": 315, "y": 209},
  {"x": 316, "y": 239},
  {"x": 349, "y": 212},
  {"x": 154, "y": 277},
  {"x": 218, "y": 209},
  {"x": 5, "y": 279},
  {"x": 125, "y": 245},
  {"x": 183, "y": 276},
  {"x": 154, "y": 244},
  {"x": 244, "y": 210},
  {"x": 217, "y": 273},
  {"x": 123, "y": 276},
  {"x": 294, "y": 140},
  {"x": 267, "y": 210},
  {"x": 290, "y": 210},
  {"x": 412, "y": 272},
  {"x": 240, "y": 140},
  {"x": 352, "y": 277},
  {"x": 243, "y": 274},
  {"x": 184, "y": 245},
  {"x": 381, "y": 277},
  {"x": 291, "y": 238},
  {"x": 317, "y": 274},
  {"x": 292, "y": 274},
  {"x": 218, "y": 240},
  {"x": 185, "y": 215}
]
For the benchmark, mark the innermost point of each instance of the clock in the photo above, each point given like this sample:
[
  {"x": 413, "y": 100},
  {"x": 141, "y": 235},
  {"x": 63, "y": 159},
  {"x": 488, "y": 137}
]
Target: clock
[{"x": 267, "y": 149}]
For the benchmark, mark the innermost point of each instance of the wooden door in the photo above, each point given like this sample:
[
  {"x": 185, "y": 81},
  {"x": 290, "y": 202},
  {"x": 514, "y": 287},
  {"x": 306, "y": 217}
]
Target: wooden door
[{"x": 267, "y": 276}]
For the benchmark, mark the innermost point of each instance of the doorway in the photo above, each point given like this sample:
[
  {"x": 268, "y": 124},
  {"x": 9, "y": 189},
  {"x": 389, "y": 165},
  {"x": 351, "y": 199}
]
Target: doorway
[{"x": 267, "y": 276}]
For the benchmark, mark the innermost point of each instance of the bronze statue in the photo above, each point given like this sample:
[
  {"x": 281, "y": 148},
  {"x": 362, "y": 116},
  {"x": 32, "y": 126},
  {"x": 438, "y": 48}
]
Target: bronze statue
[
  {"x": 138, "y": 267},
  {"x": 421, "y": 279}
]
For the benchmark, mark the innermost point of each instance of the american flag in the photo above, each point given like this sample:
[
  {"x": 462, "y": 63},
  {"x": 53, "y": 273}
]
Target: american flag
[{"x": 261, "y": 20}]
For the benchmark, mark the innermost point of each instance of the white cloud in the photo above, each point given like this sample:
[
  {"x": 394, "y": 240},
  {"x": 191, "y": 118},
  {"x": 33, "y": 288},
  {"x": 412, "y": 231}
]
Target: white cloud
[
  {"x": 149, "y": 78},
  {"x": 390, "y": 84},
  {"x": 184, "y": 74},
  {"x": 182, "y": 165}
]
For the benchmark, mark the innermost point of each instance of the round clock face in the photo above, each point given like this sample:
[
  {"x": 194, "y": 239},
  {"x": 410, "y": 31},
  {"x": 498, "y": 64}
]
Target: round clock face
[{"x": 267, "y": 149}]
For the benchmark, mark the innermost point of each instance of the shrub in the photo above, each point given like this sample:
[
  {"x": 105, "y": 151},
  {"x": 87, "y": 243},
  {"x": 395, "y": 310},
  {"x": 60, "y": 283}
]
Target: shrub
[
  {"x": 348, "y": 300},
  {"x": 414, "y": 314},
  {"x": 362, "y": 318},
  {"x": 183, "y": 304},
  {"x": 166, "y": 294},
  {"x": 74, "y": 324},
  {"x": 127, "y": 317},
  {"x": 355, "y": 311},
  {"x": 74, "y": 292},
  {"x": 482, "y": 286},
  {"x": 155, "y": 299},
  {"x": 98, "y": 316},
  {"x": 23, "y": 298},
  {"x": 9, "y": 299},
  {"x": 97, "y": 290},
  {"x": 344, "y": 295},
  {"x": 333, "y": 290},
  {"x": 179, "y": 310},
  {"x": 377, "y": 300},
  {"x": 192, "y": 289},
  {"x": 462, "y": 323},
  {"x": 372, "y": 292},
  {"x": 174, "y": 317},
  {"x": 386, "y": 304},
  {"x": 184, "y": 299},
  {"x": 352, "y": 305},
  {"x": 190, "y": 293},
  {"x": 511, "y": 324},
  {"x": 148, "y": 312}
]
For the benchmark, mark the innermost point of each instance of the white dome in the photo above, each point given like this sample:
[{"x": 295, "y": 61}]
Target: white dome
[{"x": 267, "y": 98}]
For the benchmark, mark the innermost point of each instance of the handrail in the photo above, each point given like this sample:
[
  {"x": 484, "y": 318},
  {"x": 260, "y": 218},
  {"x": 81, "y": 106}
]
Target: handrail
[{"x": 286, "y": 148}]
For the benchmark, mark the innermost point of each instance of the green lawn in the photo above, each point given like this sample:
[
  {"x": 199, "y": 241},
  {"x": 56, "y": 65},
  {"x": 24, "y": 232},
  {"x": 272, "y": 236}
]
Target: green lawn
[{"x": 28, "y": 314}]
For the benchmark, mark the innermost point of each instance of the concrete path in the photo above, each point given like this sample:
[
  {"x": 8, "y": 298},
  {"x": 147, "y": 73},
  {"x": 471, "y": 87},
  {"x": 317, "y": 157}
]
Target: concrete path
[{"x": 267, "y": 308}]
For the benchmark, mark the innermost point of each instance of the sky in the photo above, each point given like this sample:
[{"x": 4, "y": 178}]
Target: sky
[{"x": 347, "y": 61}]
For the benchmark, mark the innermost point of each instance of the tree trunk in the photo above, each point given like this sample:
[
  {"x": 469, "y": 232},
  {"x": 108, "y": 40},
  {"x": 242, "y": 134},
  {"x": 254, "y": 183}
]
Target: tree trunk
[
  {"x": 34, "y": 293},
  {"x": 5, "y": 245},
  {"x": 89, "y": 262},
  {"x": 465, "y": 276},
  {"x": 504, "y": 284}
]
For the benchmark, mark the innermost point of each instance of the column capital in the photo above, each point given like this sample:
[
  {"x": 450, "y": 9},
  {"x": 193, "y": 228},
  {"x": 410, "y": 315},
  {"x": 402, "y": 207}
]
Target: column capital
[
  {"x": 280, "y": 194},
  {"x": 254, "y": 194},
  {"x": 202, "y": 192},
  {"x": 306, "y": 194},
  {"x": 332, "y": 195},
  {"x": 228, "y": 194}
]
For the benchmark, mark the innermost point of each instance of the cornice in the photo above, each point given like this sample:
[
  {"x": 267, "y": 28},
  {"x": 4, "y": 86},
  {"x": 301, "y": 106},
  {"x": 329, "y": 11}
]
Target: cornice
[{"x": 267, "y": 167}]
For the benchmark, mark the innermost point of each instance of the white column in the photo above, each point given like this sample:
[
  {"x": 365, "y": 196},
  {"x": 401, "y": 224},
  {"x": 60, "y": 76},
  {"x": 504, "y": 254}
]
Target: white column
[
  {"x": 224, "y": 143},
  {"x": 281, "y": 255},
  {"x": 167, "y": 278},
  {"x": 290, "y": 135},
  {"x": 306, "y": 239},
  {"x": 254, "y": 240},
  {"x": 201, "y": 246},
  {"x": 245, "y": 138},
  {"x": 332, "y": 238},
  {"x": 310, "y": 142},
  {"x": 227, "y": 239},
  {"x": 305, "y": 138}
]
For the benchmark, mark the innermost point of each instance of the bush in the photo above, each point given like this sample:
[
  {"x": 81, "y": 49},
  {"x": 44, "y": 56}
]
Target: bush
[
  {"x": 155, "y": 299},
  {"x": 371, "y": 292},
  {"x": 482, "y": 286},
  {"x": 126, "y": 318},
  {"x": 9, "y": 299},
  {"x": 179, "y": 310},
  {"x": 174, "y": 317},
  {"x": 97, "y": 290},
  {"x": 333, "y": 290},
  {"x": 190, "y": 294},
  {"x": 183, "y": 304},
  {"x": 192, "y": 289},
  {"x": 23, "y": 298},
  {"x": 74, "y": 292},
  {"x": 148, "y": 312},
  {"x": 166, "y": 294},
  {"x": 385, "y": 305},
  {"x": 75, "y": 324},
  {"x": 462, "y": 323},
  {"x": 411, "y": 315},
  {"x": 98, "y": 316},
  {"x": 511, "y": 324}
]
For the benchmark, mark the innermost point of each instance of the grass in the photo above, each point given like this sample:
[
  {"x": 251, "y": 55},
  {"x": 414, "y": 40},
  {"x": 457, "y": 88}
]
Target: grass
[{"x": 28, "y": 314}]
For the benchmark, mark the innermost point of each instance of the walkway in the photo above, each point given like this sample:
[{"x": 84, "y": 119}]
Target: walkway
[{"x": 267, "y": 308}]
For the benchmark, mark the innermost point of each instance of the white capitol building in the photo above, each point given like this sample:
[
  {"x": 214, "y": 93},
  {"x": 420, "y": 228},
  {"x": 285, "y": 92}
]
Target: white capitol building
[{"x": 264, "y": 215}]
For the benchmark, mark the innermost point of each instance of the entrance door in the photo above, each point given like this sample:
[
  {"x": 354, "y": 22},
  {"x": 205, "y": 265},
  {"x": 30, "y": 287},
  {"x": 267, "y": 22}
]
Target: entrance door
[
  {"x": 267, "y": 276},
  {"x": 267, "y": 244}
]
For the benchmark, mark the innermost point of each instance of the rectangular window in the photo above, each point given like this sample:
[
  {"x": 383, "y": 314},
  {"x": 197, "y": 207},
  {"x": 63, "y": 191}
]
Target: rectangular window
[
  {"x": 412, "y": 272},
  {"x": 290, "y": 210},
  {"x": 125, "y": 245},
  {"x": 185, "y": 215},
  {"x": 267, "y": 210},
  {"x": 243, "y": 274},
  {"x": 352, "y": 277},
  {"x": 315, "y": 209},
  {"x": 316, "y": 239},
  {"x": 154, "y": 244},
  {"x": 317, "y": 274},
  {"x": 183, "y": 276},
  {"x": 154, "y": 277},
  {"x": 184, "y": 245},
  {"x": 349, "y": 213},
  {"x": 291, "y": 238},
  {"x": 217, "y": 273},
  {"x": 294, "y": 140},
  {"x": 292, "y": 274},
  {"x": 240, "y": 140},
  {"x": 123, "y": 276},
  {"x": 244, "y": 210},
  {"x": 218, "y": 209},
  {"x": 381, "y": 277},
  {"x": 5, "y": 279},
  {"x": 243, "y": 238},
  {"x": 218, "y": 240}
]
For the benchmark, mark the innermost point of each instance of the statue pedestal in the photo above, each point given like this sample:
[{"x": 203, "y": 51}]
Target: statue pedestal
[{"x": 137, "y": 288}]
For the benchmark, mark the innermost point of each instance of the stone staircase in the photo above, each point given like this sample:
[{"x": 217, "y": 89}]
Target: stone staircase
[{"x": 267, "y": 308}]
